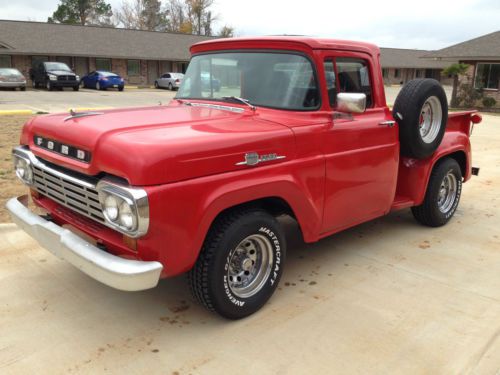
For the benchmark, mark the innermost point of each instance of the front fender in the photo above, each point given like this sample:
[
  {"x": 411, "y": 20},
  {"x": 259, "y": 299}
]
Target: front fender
[{"x": 181, "y": 213}]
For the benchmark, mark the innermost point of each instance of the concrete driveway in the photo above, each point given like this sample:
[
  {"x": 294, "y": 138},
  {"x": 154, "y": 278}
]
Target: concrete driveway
[
  {"x": 386, "y": 297},
  {"x": 62, "y": 101}
]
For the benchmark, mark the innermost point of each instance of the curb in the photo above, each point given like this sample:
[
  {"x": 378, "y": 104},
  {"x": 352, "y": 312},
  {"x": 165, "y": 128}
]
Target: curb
[{"x": 11, "y": 112}]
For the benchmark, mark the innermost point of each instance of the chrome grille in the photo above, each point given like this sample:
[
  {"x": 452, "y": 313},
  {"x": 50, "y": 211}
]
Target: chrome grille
[{"x": 78, "y": 195}]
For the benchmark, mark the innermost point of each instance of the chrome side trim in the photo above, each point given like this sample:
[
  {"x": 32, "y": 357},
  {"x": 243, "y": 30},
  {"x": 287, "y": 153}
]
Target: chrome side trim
[
  {"x": 114, "y": 271},
  {"x": 253, "y": 158}
]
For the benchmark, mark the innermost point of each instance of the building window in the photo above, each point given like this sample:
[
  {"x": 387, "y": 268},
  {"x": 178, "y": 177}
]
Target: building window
[
  {"x": 133, "y": 67},
  {"x": 5, "y": 61},
  {"x": 487, "y": 76},
  {"x": 418, "y": 73},
  {"x": 397, "y": 73},
  {"x": 385, "y": 72},
  {"x": 35, "y": 60},
  {"x": 103, "y": 64}
]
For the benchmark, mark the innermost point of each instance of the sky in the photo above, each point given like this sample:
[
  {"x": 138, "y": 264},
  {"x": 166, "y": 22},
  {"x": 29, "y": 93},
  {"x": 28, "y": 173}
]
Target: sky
[{"x": 422, "y": 24}]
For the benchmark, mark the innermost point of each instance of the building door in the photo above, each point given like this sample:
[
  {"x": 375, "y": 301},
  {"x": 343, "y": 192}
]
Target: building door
[
  {"x": 152, "y": 71},
  {"x": 166, "y": 67},
  {"x": 81, "y": 66}
]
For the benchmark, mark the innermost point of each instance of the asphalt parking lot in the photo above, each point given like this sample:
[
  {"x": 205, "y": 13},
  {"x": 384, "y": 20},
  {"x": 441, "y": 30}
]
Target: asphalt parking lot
[
  {"x": 61, "y": 101},
  {"x": 388, "y": 296}
]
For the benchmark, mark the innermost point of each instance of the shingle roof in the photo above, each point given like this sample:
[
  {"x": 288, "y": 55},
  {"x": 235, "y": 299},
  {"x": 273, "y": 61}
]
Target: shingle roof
[
  {"x": 408, "y": 58},
  {"x": 38, "y": 38},
  {"x": 486, "y": 47}
]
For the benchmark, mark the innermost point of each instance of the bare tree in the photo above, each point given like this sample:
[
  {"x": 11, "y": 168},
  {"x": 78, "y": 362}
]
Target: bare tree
[
  {"x": 142, "y": 15},
  {"x": 226, "y": 32}
]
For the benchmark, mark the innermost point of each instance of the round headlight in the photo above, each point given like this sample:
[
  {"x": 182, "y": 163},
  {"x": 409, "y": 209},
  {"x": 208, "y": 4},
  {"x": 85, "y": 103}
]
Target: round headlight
[
  {"x": 111, "y": 207},
  {"x": 126, "y": 216},
  {"x": 23, "y": 170}
]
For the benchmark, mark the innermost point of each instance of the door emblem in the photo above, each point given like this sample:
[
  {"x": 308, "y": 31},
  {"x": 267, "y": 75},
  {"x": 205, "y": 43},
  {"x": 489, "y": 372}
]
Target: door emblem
[{"x": 253, "y": 158}]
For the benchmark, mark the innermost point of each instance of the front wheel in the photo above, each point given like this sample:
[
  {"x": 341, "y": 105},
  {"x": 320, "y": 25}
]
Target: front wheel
[
  {"x": 240, "y": 264},
  {"x": 442, "y": 196},
  {"x": 48, "y": 85}
]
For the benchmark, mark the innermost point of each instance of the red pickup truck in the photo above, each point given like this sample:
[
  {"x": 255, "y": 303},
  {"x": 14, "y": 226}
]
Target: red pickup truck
[{"x": 261, "y": 127}]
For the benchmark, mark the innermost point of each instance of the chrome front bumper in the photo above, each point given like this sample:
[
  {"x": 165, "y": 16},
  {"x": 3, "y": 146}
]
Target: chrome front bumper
[{"x": 116, "y": 272}]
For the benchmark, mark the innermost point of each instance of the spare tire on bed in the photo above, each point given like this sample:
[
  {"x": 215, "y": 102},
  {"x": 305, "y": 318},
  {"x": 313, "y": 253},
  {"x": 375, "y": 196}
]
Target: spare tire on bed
[{"x": 421, "y": 110}]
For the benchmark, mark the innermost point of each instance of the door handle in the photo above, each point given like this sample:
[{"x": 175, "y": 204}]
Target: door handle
[{"x": 389, "y": 123}]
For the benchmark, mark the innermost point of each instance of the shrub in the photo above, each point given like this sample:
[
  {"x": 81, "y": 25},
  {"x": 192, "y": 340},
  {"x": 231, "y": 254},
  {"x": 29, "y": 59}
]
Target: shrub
[
  {"x": 468, "y": 95},
  {"x": 489, "y": 102}
]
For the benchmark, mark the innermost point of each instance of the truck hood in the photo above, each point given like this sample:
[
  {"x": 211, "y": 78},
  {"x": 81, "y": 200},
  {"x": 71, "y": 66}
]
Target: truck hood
[{"x": 157, "y": 145}]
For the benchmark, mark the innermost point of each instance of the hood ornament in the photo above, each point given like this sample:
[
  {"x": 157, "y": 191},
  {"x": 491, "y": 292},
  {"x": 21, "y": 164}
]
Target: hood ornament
[{"x": 74, "y": 114}]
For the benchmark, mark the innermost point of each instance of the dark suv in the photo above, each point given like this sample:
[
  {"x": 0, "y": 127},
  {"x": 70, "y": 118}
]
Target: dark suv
[{"x": 51, "y": 74}]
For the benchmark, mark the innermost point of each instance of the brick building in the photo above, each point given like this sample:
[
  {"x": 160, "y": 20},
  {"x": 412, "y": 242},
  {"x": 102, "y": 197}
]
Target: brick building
[
  {"x": 402, "y": 65},
  {"x": 138, "y": 56},
  {"x": 482, "y": 54}
]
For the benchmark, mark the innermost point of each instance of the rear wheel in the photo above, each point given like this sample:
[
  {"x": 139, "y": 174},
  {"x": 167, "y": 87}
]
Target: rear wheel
[
  {"x": 240, "y": 264},
  {"x": 421, "y": 110},
  {"x": 97, "y": 85},
  {"x": 170, "y": 87},
  {"x": 442, "y": 196}
]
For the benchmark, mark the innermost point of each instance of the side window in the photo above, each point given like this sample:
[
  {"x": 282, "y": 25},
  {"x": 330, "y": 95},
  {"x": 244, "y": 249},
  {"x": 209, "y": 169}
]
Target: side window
[
  {"x": 354, "y": 76},
  {"x": 330, "y": 82},
  {"x": 167, "y": 75}
]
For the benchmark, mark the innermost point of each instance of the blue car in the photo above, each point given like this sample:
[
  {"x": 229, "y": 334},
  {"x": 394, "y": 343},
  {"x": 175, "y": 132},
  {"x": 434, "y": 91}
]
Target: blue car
[{"x": 101, "y": 80}]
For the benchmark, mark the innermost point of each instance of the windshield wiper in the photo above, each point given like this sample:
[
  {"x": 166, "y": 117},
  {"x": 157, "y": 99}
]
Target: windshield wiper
[{"x": 241, "y": 100}]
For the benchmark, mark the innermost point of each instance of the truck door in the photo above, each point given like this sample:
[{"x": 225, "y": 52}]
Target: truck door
[{"x": 361, "y": 149}]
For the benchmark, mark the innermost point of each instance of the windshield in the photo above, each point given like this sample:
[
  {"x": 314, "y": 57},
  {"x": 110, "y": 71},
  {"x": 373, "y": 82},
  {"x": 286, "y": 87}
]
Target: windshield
[
  {"x": 7, "y": 71},
  {"x": 276, "y": 80},
  {"x": 56, "y": 66}
]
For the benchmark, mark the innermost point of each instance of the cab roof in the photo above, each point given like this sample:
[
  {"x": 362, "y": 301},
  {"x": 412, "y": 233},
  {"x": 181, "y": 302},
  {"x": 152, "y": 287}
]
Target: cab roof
[{"x": 286, "y": 42}]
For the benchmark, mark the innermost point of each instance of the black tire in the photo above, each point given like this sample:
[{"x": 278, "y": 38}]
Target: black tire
[
  {"x": 408, "y": 113},
  {"x": 431, "y": 212},
  {"x": 156, "y": 85},
  {"x": 23, "y": 88},
  {"x": 121, "y": 88},
  {"x": 76, "y": 88},
  {"x": 210, "y": 277},
  {"x": 49, "y": 86},
  {"x": 170, "y": 87}
]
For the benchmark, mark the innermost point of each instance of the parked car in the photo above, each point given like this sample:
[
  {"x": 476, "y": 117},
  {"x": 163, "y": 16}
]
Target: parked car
[
  {"x": 102, "y": 80},
  {"x": 205, "y": 82},
  {"x": 12, "y": 78},
  {"x": 197, "y": 186},
  {"x": 52, "y": 74},
  {"x": 171, "y": 81}
]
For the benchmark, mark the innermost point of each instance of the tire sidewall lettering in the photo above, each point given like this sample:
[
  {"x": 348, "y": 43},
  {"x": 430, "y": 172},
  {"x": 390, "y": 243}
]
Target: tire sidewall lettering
[{"x": 273, "y": 277}]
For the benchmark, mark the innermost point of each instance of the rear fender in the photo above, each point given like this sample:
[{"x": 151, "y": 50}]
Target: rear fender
[{"x": 414, "y": 174}]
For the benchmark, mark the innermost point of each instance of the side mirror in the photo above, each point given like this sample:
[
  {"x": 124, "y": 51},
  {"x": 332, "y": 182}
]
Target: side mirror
[{"x": 351, "y": 102}]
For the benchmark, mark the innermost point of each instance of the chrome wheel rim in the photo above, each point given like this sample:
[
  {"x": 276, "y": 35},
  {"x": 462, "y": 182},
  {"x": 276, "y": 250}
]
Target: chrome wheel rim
[
  {"x": 97, "y": 86},
  {"x": 249, "y": 265},
  {"x": 431, "y": 116},
  {"x": 447, "y": 192}
]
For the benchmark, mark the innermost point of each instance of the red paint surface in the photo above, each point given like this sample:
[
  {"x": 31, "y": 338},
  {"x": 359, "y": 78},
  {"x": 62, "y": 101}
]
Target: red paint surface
[{"x": 336, "y": 174}]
